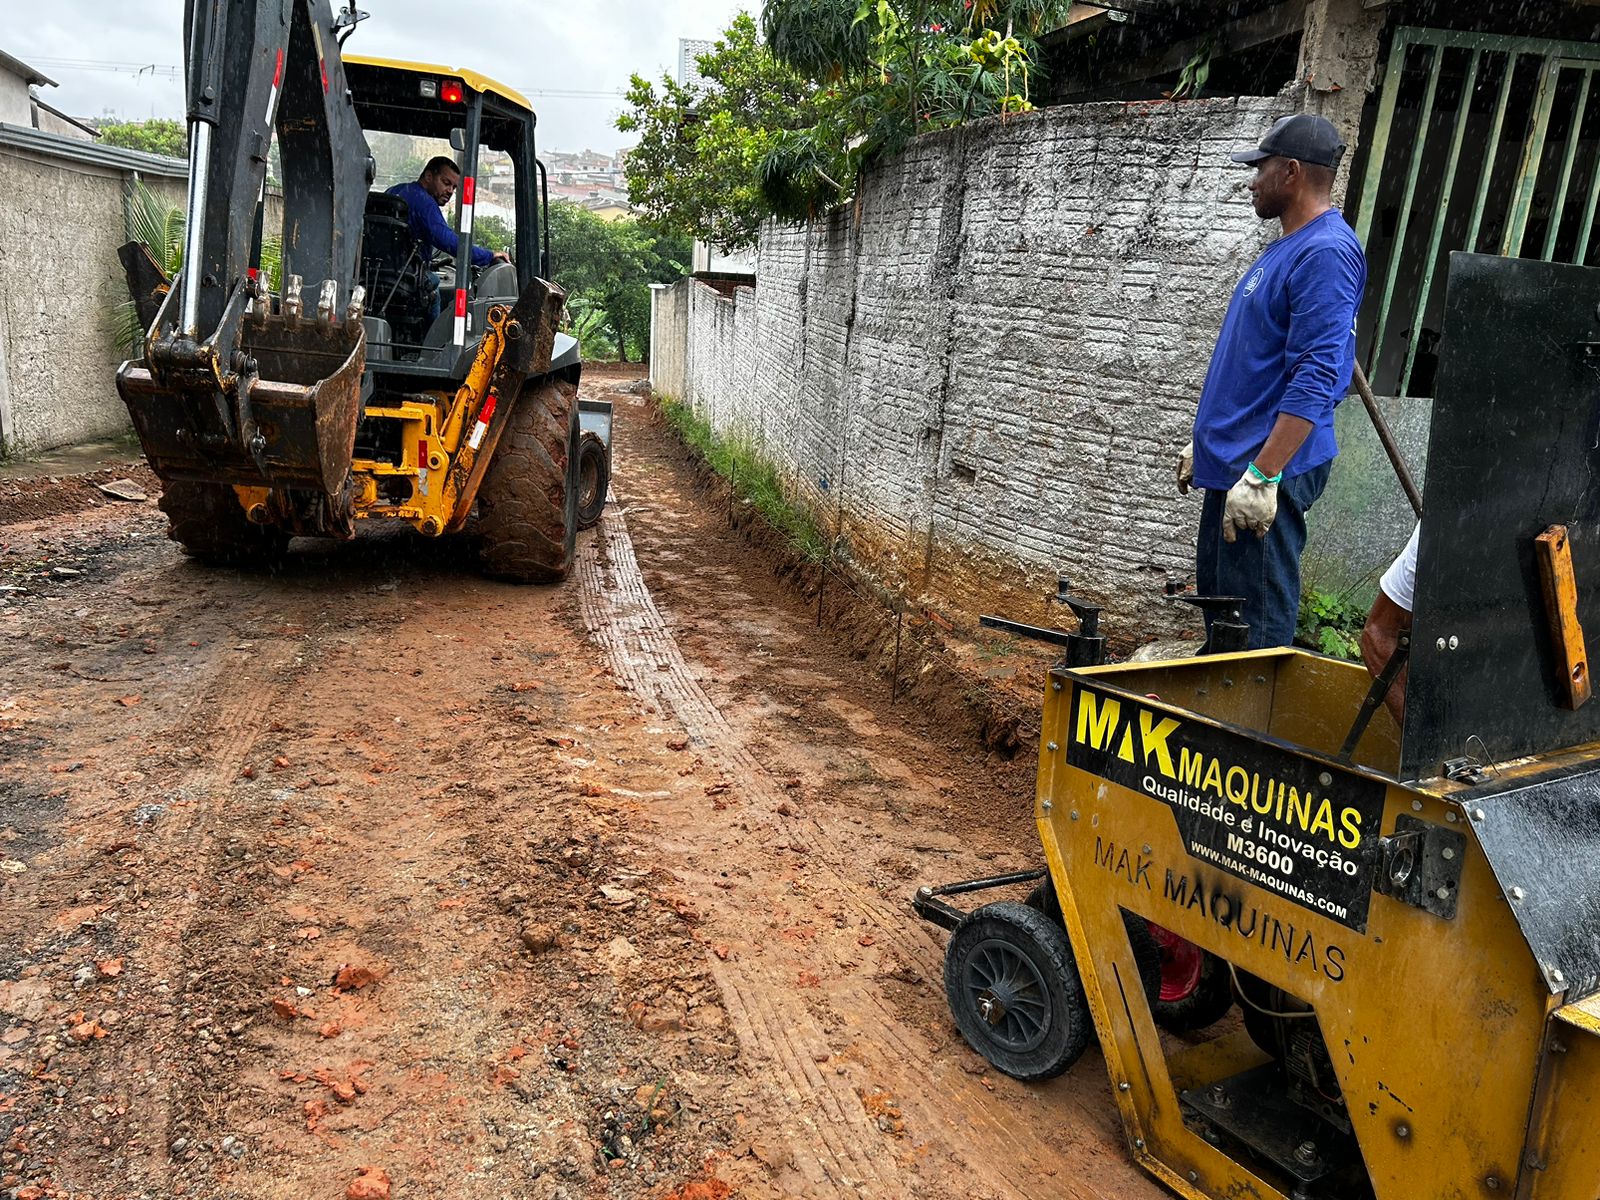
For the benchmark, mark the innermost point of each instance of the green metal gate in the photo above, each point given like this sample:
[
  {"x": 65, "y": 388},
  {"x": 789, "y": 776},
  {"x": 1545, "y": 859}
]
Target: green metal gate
[{"x": 1482, "y": 143}]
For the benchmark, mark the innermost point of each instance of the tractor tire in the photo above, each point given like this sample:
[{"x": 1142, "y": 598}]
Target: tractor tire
[
  {"x": 528, "y": 502},
  {"x": 594, "y": 479},
  {"x": 207, "y": 520},
  {"x": 1196, "y": 985},
  {"x": 1015, "y": 993},
  {"x": 1146, "y": 953}
]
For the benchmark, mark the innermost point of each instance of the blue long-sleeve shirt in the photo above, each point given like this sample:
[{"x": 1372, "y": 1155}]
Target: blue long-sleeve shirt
[
  {"x": 1287, "y": 345},
  {"x": 428, "y": 225}
]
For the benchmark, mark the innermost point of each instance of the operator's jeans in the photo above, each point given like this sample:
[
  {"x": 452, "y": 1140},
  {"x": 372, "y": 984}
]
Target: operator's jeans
[
  {"x": 1265, "y": 571},
  {"x": 430, "y": 294}
]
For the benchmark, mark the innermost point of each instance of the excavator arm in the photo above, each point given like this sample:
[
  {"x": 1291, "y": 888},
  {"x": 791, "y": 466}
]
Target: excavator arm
[{"x": 235, "y": 389}]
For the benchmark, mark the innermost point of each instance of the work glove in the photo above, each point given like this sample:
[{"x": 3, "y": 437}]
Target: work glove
[
  {"x": 1252, "y": 504},
  {"x": 1186, "y": 469}
]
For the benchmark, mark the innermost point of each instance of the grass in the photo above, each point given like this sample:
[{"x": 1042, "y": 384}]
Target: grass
[{"x": 753, "y": 478}]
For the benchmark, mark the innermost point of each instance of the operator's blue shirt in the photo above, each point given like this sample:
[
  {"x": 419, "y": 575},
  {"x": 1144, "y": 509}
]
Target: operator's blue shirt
[
  {"x": 1288, "y": 345},
  {"x": 428, "y": 225}
]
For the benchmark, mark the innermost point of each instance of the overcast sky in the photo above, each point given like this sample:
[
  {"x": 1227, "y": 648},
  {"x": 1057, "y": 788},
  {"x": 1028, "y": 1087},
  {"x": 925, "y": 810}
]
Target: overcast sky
[{"x": 589, "y": 46}]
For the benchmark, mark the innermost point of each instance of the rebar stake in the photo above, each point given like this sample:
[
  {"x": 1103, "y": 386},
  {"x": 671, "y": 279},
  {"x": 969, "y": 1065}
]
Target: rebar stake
[{"x": 894, "y": 679}]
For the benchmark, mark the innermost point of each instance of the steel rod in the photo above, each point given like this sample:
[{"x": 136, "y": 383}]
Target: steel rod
[
  {"x": 1587, "y": 229},
  {"x": 1496, "y": 128},
  {"x": 1379, "y": 149},
  {"x": 1390, "y": 446},
  {"x": 1532, "y": 160},
  {"x": 1403, "y": 224},
  {"x": 894, "y": 679},
  {"x": 1375, "y": 696}
]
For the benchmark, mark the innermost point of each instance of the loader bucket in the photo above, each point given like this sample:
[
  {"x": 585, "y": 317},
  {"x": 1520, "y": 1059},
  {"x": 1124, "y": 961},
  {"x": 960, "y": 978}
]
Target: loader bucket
[{"x": 305, "y": 404}]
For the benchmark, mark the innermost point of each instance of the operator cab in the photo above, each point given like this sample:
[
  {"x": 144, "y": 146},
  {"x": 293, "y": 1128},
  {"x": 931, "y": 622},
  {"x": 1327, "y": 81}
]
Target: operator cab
[{"x": 411, "y": 113}]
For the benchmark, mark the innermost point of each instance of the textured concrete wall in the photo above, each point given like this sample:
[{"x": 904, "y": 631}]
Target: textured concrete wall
[
  {"x": 1364, "y": 518},
  {"x": 16, "y": 104},
  {"x": 979, "y": 374},
  {"x": 59, "y": 282},
  {"x": 669, "y": 338}
]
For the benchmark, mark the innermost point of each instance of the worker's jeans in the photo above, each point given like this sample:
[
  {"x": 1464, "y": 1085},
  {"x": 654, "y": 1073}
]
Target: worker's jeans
[{"x": 1265, "y": 571}]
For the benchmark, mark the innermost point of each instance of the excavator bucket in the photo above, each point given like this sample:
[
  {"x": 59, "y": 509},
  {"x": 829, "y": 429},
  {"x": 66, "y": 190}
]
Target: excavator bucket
[{"x": 289, "y": 423}]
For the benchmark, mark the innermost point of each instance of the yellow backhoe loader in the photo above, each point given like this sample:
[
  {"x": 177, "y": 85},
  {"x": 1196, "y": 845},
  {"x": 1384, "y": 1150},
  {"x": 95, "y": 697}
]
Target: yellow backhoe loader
[{"x": 374, "y": 378}]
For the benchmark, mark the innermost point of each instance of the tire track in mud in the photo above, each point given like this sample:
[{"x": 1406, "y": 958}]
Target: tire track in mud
[
  {"x": 622, "y": 618},
  {"x": 773, "y": 1021},
  {"x": 169, "y": 824},
  {"x": 184, "y": 854}
]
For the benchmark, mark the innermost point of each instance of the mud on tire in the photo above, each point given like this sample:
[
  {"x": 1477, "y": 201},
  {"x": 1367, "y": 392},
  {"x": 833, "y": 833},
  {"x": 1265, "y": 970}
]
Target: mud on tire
[
  {"x": 208, "y": 521},
  {"x": 528, "y": 501}
]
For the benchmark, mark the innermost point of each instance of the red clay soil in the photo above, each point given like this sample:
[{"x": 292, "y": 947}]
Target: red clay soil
[{"x": 373, "y": 877}]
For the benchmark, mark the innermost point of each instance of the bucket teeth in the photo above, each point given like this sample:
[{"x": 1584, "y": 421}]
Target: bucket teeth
[{"x": 292, "y": 423}]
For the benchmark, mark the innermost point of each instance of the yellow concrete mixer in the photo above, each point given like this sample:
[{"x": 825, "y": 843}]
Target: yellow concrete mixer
[{"x": 1408, "y": 921}]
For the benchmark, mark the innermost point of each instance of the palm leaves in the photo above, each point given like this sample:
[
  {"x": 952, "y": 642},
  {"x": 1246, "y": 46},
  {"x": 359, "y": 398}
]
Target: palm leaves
[
  {"x": 794, "y": 176},
  {"x": 157, "y": 223},
  {"x": 149, "y": 219},
  {"x": 160, "y": 225},
  {"x": 822, "y": 39}
]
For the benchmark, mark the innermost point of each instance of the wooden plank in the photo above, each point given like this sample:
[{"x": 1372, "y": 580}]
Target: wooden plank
[{"x": 1554, "y": 552}]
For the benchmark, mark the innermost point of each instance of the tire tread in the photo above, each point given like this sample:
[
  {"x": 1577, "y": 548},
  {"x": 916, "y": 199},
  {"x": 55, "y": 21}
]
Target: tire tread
[{"x": 527, "y": 504}]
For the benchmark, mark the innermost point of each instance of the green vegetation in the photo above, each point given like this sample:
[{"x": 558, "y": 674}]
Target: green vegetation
[
  {"x": 607, "y": 268},
  {"x": 753, "y": 478},
  {"x": 156, "y": 136},
  {"x": 159, "y": 225},
  {"x": 495, "y": 233},
  {"x": 1196, "y": 73},
  {"x": 791, "y": 113},
  {"x": 1330, "y": 623}
]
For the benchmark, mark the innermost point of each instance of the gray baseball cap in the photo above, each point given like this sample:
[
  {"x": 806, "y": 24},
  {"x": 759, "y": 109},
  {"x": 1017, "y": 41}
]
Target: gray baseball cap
[{"x": 1305, "y": 137}]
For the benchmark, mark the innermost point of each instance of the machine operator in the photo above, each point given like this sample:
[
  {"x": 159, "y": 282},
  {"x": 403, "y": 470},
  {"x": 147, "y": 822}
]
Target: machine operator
[
  {"x": 425, "y": 198},
  {"x": 1263, "y": 441}
]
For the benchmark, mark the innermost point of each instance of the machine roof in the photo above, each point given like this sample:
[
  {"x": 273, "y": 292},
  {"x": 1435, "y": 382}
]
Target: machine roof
[{"x": 475, "y": 81}]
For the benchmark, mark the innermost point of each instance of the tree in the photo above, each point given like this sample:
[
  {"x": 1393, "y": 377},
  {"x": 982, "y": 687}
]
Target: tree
[
  {"x": 784, "y": 125},
  {"x": 156, "y": 136},
  {"x": 494, "y": 233},
  {"x": 694, "y": 168},
  {"x": 606, "y": 268},
  {"x": 898, "y": 68}
]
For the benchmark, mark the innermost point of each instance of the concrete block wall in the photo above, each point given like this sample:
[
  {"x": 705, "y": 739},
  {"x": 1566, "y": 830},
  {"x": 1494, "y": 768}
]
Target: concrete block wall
[
  {"x": 59, "y": 283},
  {"x": 669, "y": 339},
  {"x": 1099, "y": 251},
  {"x": 979, "y": 375}
]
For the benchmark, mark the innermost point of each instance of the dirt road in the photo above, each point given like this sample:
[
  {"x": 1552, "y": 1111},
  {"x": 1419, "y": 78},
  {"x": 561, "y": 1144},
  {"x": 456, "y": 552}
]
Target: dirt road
[{"x": 373, "y": 877}]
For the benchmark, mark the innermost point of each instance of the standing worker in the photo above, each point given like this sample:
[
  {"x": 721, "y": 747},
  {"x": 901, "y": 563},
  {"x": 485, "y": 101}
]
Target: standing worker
[{"x": 1263, "y": 440}]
